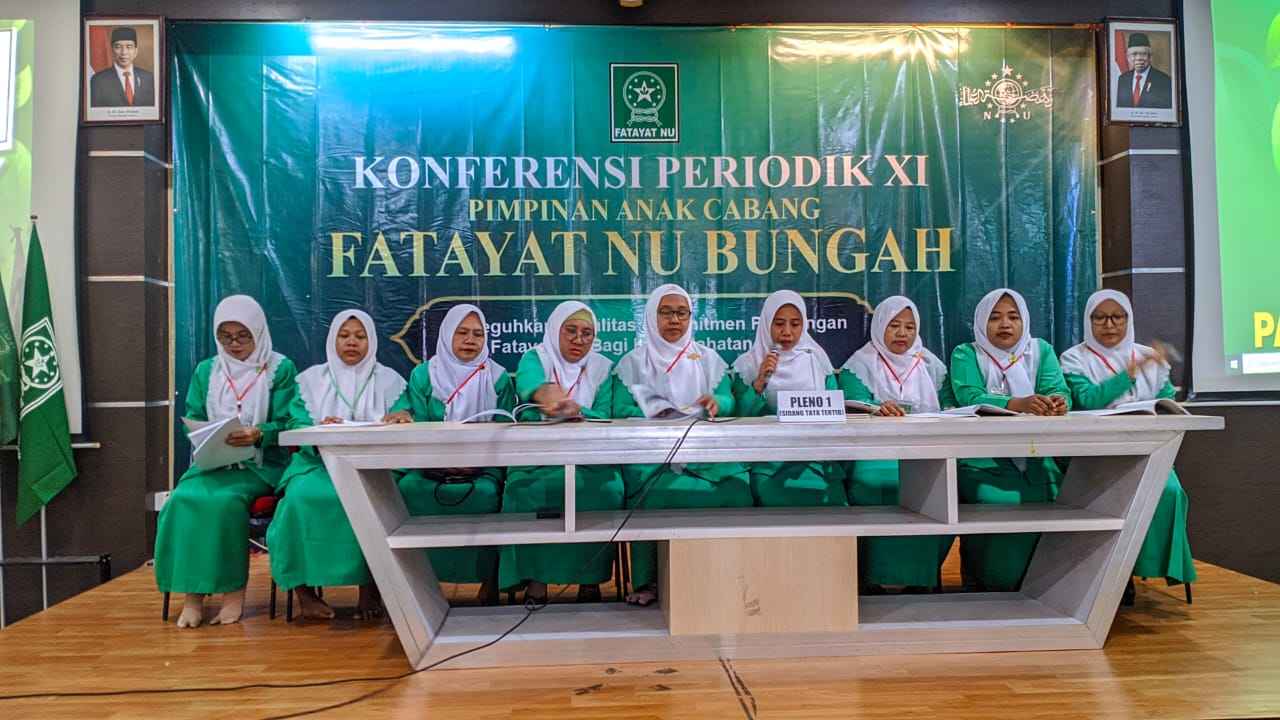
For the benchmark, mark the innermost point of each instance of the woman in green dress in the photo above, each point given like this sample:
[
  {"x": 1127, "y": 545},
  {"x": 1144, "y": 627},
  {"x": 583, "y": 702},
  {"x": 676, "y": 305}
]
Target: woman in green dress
[
  {"x": 671, "y": 375},
  {"x": 1005, "y": 366},
  {"x": 785, "y": 357},
  {"x": 904, "y": 377},
  {"x": 1107, "y": 369},
  {"x": 459, "y": 383},
  {"x": 202, "y": 540},
  {"x": 311, "y": 541},
  {"x": 566, "y": 379}
]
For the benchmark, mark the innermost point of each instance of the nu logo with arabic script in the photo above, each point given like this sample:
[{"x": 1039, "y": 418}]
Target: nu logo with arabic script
[{"x": 1007, "y": 96}]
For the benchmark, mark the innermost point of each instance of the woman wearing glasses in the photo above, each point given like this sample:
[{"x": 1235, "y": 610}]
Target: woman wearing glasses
[
  {"x": 203, "y": 533},
  {"x": 671, "y": 375},
  {"x": 1005, "y": 366},
  {"x": 566, "y": 379},
  {"x": 1107, "y": 369},
  {"x": 459, "y": 383},
  {"x": 312, "y": 543}
]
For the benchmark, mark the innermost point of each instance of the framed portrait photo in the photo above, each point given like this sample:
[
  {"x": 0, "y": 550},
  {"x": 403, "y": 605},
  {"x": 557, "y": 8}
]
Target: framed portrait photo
[
  {"x": 122, "y": 81},
  {"x": 1142, "y": 72}
]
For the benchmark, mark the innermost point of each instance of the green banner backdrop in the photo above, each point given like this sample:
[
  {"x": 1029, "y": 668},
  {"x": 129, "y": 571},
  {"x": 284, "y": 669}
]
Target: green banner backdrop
[{"x": 404, "y": 167}]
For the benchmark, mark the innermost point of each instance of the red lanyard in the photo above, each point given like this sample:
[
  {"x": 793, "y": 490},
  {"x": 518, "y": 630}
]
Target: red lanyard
[
  {"x": 464, "y": 383},
  {"x": 556, "y": 374},
  {"x": 678, "y": 356},
  {"x": 1003, "y": 368},
  {"x": 906, "y": 377},
  {"x": 241, "y": 395},
  {"x": 1104, "y": 360}
]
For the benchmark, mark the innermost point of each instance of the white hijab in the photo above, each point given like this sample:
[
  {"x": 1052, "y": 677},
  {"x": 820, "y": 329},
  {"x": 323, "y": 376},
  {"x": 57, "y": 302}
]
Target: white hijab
[
  {"x": 1013, "y": 371},
  {"x": 465, "y": 388},
  {"x": 803, "y": 367},
  {"x": 579, "y": 379},
  {"x": 363, "y": 392},
  {"x": 663, "y": 375},
  {"x": 910, "y": 377},
  {"x": 249, "y": 378},
  {"x": 1097, "y": 362}
]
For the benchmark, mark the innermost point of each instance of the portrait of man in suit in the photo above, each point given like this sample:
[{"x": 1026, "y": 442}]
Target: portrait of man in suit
[
  {"x": 124, "y": 84},
  {"x": 1144, "y": 85}
]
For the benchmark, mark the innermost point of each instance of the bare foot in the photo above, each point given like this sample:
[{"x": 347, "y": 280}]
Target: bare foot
[
  {"x": 536, "y": 591},
  {"x": 369, "y": 606},
  {"x": 232, "y": 608},
  {"x": 313, "y": 608},
  {"x": 642, "y": 596},
  {"x": 192, "y": 611}
]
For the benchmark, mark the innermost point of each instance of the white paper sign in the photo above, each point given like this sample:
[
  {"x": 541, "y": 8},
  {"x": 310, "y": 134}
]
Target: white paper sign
[{"x": 811, "y": 406}]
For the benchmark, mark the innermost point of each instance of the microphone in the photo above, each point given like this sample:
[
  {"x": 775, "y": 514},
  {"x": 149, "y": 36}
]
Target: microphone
[{"x": 774, "y": 349}]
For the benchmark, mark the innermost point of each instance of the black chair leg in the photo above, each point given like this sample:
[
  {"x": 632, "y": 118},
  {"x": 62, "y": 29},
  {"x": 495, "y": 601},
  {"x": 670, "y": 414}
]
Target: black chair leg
[
  {"x": 511, "y": 597},
  {"x": 164, "y": 608},
  {"x": 104, "y": 568},
  {"x": 1187, "y": 586},
  {"x": 1130, "y": 594},
  {"x": 288, "y": 606},
  {"x": 617, "y": 572},
  {"x": 271, "y": 611},
  {"x": 626, "y": 564}
]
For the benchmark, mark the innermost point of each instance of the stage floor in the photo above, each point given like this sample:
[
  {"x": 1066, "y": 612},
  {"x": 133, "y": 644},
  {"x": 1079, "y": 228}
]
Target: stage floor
[{"x": 1217, "y": 658}]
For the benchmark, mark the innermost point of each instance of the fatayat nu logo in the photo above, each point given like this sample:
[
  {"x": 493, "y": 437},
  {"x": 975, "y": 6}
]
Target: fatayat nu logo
[
  {"x": 1007, "y": 96},
  {"x": 644, "y": 102}
]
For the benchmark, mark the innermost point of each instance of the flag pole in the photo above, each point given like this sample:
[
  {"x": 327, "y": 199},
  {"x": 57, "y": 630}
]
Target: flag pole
[
  {"x": 44, "y": 561},
  {"x": 3, "y": 619}
]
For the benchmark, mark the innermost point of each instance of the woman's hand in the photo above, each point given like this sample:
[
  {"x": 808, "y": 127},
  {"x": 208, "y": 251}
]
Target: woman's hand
[
  {"x": 889, "y": 408},
  {"x": 767, "y": 368},
  {"x": 331, "y": 420},
  {"x": 1059, "y": 404},
  {"x": 553, "y": 401},
  {"x": 1032, "y": 404},
  {"x": 709, "y": 404},
  {"x": 1136, "y": 363},
  {"x": 398, "y": 418},
  {"x": 245, "y": 437}
]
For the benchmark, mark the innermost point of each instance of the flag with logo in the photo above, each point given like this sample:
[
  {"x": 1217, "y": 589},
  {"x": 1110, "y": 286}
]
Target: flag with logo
[
  {"x": 9, "y": 387},
  {"x": 45, "y": 465}
]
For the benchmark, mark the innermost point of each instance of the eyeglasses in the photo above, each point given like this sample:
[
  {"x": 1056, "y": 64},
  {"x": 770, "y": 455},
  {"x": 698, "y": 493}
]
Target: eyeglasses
[
  {"x": 242, "y": 338},
  {"x": 1108, "y": 319},
  {"x": 584, "y": 335},
  {"x": 680, "y": 314}
]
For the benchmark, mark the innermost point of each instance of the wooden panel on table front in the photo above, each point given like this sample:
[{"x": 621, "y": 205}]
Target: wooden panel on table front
[{"x": 736, "y": 585}]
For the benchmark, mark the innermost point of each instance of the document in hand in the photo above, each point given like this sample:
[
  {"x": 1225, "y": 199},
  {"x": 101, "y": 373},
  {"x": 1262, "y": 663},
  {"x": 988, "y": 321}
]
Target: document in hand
[
  {"x": 1162, "y": 406},
  {"x": 209, "y": 443}
]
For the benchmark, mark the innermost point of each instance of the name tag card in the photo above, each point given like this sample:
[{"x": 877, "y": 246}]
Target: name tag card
[{"x": 811, "y": 406}]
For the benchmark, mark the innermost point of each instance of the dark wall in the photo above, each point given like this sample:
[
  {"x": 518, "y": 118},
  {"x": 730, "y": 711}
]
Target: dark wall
[{"x": 124, "y": 232}]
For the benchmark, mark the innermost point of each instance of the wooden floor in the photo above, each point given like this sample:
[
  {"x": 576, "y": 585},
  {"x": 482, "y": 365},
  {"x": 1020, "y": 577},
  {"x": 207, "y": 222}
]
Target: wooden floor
[{"x": 1217, "y": 658}]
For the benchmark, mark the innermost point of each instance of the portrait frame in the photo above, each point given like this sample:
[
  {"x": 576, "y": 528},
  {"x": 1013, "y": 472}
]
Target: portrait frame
[
  {"x": 103, "y": 98},
  {"x": 1158, "y": 90}
]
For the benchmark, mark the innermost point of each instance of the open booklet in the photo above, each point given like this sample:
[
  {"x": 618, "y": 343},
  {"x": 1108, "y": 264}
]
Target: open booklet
[
  {"x": 854, "y": 407},
  {"x": 971, "y": 411},
  {"x": 1162, "y": 406},
  {"x": 209, "y": 443}
]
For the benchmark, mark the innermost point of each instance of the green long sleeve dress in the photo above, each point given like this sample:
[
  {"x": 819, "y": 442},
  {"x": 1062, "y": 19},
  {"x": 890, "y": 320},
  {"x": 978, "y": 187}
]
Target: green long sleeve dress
[
  {"x": 678, "y": 486},
  {"x": 311, "y": 539},
  {"x": 788, "y": 484},
  {"x": 906, "y": 561},
  {"x": 431, "y": 492},
  {"x": 202, "y": 536},
  {"x": 529, "y": 489},
  {"x": 999, "y": 562},
  {"x": 1166, "y": 551}
]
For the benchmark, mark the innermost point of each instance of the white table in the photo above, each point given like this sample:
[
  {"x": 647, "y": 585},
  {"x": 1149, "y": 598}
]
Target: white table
[{"x": 1068, "y": 600}]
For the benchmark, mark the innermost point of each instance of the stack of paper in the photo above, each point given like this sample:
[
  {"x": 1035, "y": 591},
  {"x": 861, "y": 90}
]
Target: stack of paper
[
  {"x": 209, "y": 443},
  {"x": 1163, "y": 406}
]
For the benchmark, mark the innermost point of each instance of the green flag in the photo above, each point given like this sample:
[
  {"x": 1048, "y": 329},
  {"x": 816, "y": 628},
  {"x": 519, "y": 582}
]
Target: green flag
[
  {"x": 8, "y": 374},
  {"x": 45, "y": 465}
]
